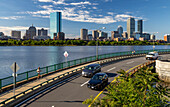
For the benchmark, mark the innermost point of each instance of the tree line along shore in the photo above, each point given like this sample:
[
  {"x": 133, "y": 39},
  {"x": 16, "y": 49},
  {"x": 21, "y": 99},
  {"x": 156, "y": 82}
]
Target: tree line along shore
[{"x": 73, "y": 43}]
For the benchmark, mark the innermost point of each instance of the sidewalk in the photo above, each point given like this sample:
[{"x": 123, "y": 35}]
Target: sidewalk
[{"x": 29, "y": 85}]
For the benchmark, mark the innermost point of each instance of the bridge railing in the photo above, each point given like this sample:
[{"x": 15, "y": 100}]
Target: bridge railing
[{"x": 48, "y": 69}]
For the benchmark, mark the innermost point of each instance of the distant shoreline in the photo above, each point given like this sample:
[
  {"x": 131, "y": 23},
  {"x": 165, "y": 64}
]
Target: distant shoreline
[{"x": 75, "y": 43}]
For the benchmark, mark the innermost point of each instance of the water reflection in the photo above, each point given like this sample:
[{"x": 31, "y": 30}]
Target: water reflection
[{"x": 32, "y": 57}]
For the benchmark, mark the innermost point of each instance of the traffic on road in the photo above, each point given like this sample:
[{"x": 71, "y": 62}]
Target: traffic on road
[{"x": 72, "y": 92}]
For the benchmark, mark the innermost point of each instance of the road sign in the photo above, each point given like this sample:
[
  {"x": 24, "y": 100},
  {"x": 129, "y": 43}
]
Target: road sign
[
  {"x": 15, "y": 74},
  {"x": 65, "y": 54},
  {"x": 13, "y": 67}
]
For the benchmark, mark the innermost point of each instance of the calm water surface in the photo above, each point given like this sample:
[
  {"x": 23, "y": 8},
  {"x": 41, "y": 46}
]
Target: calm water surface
[{"x": 32, "y": 57}]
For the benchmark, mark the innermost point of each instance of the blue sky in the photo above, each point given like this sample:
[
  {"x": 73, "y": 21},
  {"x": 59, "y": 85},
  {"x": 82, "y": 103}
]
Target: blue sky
[{"x": 90, "y": 14}]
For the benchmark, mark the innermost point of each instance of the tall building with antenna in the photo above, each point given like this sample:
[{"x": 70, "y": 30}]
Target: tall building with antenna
[{"x": 130, "y": 27}]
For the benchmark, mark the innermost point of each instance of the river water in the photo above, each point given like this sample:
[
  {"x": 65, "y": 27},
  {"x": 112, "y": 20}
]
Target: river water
[{"x": 32, "y": 57}]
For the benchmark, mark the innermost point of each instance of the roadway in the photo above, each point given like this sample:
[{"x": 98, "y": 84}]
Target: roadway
[{"x": 72, "y": 92}]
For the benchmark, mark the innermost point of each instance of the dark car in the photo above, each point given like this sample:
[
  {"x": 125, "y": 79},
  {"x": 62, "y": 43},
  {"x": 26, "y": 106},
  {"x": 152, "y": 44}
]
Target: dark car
[
  {"x": 91, "y": 69},
  {"x": 98, "y": 81}
]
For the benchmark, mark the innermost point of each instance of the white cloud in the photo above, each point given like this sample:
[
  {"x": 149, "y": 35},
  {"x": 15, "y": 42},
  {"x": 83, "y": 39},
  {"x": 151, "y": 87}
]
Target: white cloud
[
  {"x": 54, "y": 2},
  {"x": 73, "y": 15},
  {"x": 46, "y": 6},
  {"x": 45, "y": 0},
  {"x": 62, "y": 2},
  {"x": 12, "y": 17},
  {"x": 108, "y": 0},
  {"x": 104, "y": 20},
  {"x": 81, "y": 3},
  {"x": 83, "y": 12},
  {"x": 110, "y": 13},
  {"x": 124, "y": 17},
  {"x": 128, "y": 12},
  {"x": 41, "y": 16},
  {"x": 164, "y": 7},
  {"x": 95, "y": 3},
  {"x": 94, "y": 7},
  {"x": 77, "y": 13}
]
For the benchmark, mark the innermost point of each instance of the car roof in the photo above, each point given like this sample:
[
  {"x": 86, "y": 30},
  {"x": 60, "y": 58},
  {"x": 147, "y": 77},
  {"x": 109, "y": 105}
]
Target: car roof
[
  {"x": 153, "y": 52},
  {"x": 100, "y": 73},
  {"x": 93, "y": 65}
]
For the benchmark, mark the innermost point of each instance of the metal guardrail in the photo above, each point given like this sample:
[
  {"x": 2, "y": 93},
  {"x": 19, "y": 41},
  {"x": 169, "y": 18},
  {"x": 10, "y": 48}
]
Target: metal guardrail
[
  {"x": 37, "y": 86},
  {"x": 129, "y": 72},
  {"x": 48, "y": 69},
  {"x": 132, "y": 70},
  {"x": 58, "y": 77}
]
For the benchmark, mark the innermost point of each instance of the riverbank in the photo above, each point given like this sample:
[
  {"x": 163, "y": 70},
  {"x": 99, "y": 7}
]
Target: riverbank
[
  {"x": 32, "y": 57},
  {"x": 73, "y": 43}
]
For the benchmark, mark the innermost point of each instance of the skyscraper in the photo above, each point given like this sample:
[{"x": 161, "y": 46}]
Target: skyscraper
[
  {"x": 102, "y": 34},
  {"x": 42, "y": 32},
  {"x": 60, "y": 36},
  {"x": 125, "y": 35},
  {"x": 152, "y": 37},
  {"x": 95, "y": 34},
  {"x": 114, "y": 34},
  {"x": 55, "y": 23},
  {"x": 120, "y": 30},
  {"x": 84, "y": 34},
  {"x": 140, "y": 26},
  {"x": 16, "y": 34},
  {"x": 130, "y": 27},
  {"x": 30, "y": 33},
  {"x": 167, "y": 38}
]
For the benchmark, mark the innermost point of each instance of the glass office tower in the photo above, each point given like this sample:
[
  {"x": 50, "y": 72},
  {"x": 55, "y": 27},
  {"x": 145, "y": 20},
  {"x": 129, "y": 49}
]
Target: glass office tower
[
  {"x": 130, "y": 27},
  {"x": 55, "y": 23}
]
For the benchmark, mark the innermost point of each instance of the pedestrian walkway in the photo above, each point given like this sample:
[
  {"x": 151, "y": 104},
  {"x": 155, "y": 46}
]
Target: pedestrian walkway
[{"x": 29, "y": 85}]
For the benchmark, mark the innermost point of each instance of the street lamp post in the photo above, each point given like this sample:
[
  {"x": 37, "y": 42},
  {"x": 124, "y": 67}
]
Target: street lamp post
[
  {"x": 97, "y": 44},
  {"x": 153, "y": 40}
]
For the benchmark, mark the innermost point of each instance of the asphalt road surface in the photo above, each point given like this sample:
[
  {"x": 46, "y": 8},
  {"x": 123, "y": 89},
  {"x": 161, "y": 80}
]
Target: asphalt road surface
[{"x": 72, "y": 92}]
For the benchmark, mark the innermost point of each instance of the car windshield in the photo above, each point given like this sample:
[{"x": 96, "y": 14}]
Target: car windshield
[
  {"x": 89, "y": 67},
  {"x": 97, "y": 77},
  {"x": 151, "y": 54}
]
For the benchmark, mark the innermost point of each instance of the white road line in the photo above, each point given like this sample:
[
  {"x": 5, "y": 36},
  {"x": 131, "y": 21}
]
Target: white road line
[
  {"x": 111, "y": 69},
  {"x": 85, "y": 83},
  {"x": 130, "y": 62}
]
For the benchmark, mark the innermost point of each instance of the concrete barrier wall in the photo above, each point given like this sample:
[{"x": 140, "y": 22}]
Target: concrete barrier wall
[{"x": 163, "y": 69}]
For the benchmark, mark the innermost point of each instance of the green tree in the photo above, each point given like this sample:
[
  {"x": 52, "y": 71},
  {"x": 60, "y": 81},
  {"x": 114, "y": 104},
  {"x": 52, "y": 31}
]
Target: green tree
[
  {"x": 136, "y": 91},
  {"x": 91, "y": 43}
]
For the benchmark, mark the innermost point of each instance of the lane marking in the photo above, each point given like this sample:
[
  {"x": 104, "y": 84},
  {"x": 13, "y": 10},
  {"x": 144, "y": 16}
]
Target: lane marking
[
  {"x": 111, "y": 69},
  {"x": 85, "y": 83},
  {"x": 130, "y": 62},
  {"x": 111, "y": 83}
]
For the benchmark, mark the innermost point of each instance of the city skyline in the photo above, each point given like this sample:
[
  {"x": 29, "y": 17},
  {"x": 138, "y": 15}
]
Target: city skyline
[{"x": 85, "y": 14}]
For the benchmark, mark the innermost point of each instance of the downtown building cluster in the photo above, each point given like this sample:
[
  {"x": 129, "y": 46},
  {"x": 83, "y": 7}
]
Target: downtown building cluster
[
  {"x": 96, "y": 34},
  {"x": 119, "y": 35},
  {"x": 57, "y": 34},
  {"x": 31, "y": 33},
  {"x": 40, "y": 34},
  {"x": 131, "y": 33}
]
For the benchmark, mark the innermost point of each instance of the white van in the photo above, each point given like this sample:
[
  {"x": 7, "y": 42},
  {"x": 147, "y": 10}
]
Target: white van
[{"x": 152, "y": 55}]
